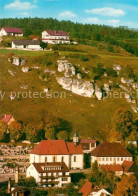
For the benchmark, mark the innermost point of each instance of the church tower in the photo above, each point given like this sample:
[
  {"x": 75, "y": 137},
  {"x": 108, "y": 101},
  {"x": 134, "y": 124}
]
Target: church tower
[{"x": 76, "y": 138}]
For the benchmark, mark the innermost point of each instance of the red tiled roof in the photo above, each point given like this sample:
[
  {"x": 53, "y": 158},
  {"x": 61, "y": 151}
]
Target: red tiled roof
[
  {"x": 88, "y": 141},
  {"x": 110, "y": 150},
  {"x": 86, "y": 189},
  {"x": 74, "y": 149},
  {"x": 56, "y": 147},
  {"x": 6, "y": 118},
  {"x": 57, "y": 33},
  {"x": 127, "y": 165},
  {"x": 38, "y": 167},
  {"x": 13, "y": 30},
  {"x": 112, "y": 168},
  {"x": 51, "y": 147}
]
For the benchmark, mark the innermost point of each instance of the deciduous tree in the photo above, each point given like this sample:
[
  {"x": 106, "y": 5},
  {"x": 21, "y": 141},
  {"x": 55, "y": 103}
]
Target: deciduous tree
[
  {"x": 3, "y": 129},
  {"x": 127, "y": 186}
]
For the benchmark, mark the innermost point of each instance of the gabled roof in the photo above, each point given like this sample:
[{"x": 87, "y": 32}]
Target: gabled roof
[
  {"x": 51, "y": 147},
  {"x": 57, "y": 33},
  {"x": 127, "y": 165},
  {"x": 56, "y": 147},
  {"x": 13, "y": 30},
  {"x": 86, "y": 189},
  {"x": 74, "y": 149},
  {"x": 112, "y": 168},
  {"x": 26, "y": 42},
  {"x": 6, "y": 118},
  {"x": 88, "y": 141},
  {"x": 110, "y": 150},
  {"x": 39, "y": 167}
]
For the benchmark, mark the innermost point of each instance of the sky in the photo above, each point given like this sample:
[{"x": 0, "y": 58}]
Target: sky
[{"x": 108, "y": 12}]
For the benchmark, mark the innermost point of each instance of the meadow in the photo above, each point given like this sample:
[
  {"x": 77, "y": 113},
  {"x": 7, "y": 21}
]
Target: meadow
[{"x": 92, "y": 118}]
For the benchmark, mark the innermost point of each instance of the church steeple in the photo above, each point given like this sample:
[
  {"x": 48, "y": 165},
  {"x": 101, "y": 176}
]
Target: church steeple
[{"x": 76, "y": 138}]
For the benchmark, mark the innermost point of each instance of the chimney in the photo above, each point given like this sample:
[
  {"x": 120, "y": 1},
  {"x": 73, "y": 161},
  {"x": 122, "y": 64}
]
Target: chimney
[
  {"x": 16, "y": 175},
  {"x": 9, "y": 186}
]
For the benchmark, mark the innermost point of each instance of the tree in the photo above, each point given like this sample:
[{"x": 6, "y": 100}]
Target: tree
[
  {"x": 32, "y": 132},
  {"x": 63, "y": 135},
  {"x": 28, "y": 182},
  {"x": 50, "y": 133},
  {"x": 71, "y": 190},
  {"x": 127, "y": 186},
  {"x": 123, "y": 122},
  {"x": 3, "y": 129},
  {"x": 43, "y": 45},
  {"x": 16, "y": 131}
]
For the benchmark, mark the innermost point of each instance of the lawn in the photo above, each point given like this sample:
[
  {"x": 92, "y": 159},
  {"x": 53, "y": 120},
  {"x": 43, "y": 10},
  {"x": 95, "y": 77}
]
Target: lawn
[{"x": 23, "y": 52}]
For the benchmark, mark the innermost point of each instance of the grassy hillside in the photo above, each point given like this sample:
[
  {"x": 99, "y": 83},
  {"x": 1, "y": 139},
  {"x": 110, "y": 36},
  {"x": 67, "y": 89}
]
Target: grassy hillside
[{"x": 87, "y": 115}]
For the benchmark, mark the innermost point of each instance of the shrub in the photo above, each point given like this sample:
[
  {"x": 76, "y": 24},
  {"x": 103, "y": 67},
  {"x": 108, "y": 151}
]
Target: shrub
[
  {"x": 111, "y": 72},
  {"x": 110, "y": 49},
  {"x": 84, "y": 58}
]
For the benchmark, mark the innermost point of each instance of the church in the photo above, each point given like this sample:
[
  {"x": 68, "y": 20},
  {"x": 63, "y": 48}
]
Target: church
[{"x": 70, "y": 153}]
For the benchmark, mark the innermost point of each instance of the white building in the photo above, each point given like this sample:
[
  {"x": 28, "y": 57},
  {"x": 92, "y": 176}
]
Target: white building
[
  {"x": 58, "y": 151},
  {"x": 89, "y": 189},
  {"x": 6, "y": 31},
  {"x": 55, "y": 37},
  {"x": 26, "y": 44},
  {"x": 110, "y": 153},
  {"x": 88, "y": 145},
  {"x": 50, "y": 174}
]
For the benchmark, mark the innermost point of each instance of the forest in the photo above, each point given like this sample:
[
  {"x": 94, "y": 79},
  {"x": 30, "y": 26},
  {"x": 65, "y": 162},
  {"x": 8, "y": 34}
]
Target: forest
[{"x": 83, "y": 33}]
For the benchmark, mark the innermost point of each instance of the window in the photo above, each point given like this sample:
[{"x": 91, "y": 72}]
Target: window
[
  {"x": 45, "y": 159},
  {"x": 74, "y": 158},
  {"x": 62, "y": 159},
  {"x": 106, "y": 159},
  {"x": 64, "y": 179},
  {"x": 102, "y": 159},
  {"x": 110, "y": 159},
  {"x": 121, "y": 159},
  {"x": 117, "y": 159}
]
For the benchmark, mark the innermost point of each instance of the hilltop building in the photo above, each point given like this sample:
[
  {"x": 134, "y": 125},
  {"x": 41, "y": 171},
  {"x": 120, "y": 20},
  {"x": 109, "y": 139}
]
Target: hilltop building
[
  {"x": 54, "y": 174},
  {"x": 55, "y": 37},
  {"x": 6, "y": 31},
  {"x": 26, "y": 44}
]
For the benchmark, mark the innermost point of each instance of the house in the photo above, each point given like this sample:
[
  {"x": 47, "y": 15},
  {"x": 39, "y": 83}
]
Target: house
[
  {"x": 54, "y": 174},
  {"x": 58, "y": 151},
  {"x": 7, "y": 118},
  {"x": 88, "y": 145},
  {"x": 6, "y": 31},
  {"x": 26, "y": 44},
  {"x": 125, "y": 168},
  {"x": 55, "y": 37},
  {"x": 110, "y": 153},
  {"x": 88, "y": 189}
]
